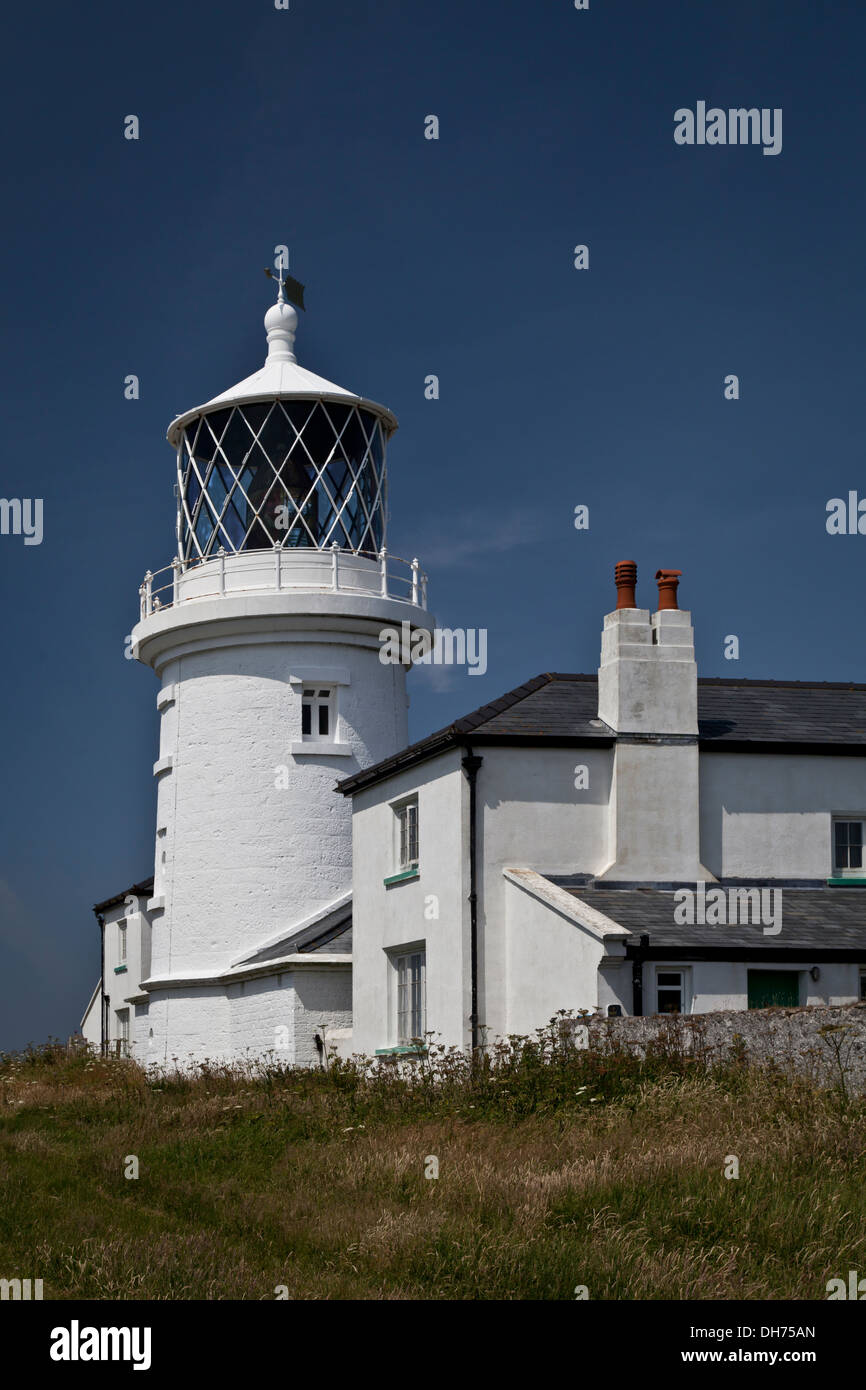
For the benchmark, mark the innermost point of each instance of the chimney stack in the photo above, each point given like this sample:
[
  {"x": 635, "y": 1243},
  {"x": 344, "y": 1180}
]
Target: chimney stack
[
  {"x": 647, "y": 680},
  {"x": 648, "y": 695}
]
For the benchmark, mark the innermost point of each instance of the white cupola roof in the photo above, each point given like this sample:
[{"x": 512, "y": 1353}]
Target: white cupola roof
[{"x": 281, "y": 377}]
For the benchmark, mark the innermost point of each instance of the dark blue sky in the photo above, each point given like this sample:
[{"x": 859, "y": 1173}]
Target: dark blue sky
[{"x": 454, "y": 257}]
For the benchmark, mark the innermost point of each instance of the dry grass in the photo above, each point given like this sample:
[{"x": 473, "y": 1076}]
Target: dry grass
[{"x": 555, "y": 1170}]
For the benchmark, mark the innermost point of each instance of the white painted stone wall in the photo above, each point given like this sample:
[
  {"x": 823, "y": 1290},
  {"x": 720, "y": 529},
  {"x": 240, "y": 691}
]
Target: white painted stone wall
[
  {"x": 615, "y": 986},
  {"x": 551, "y": 964},
  {"x": 252, "y": 837},
  {"x": 531, "y": 816},
  {"x": 182, "y": 1027},
  {"x": 301, "y": 999},
  {"x": 122, "y": 984},
  {"x": 647, "y": 679},
  {"x": 277, "y": 1015},
  {"x": 711, "y": 985},
  {"x": 323, "y": 1001},
  {"x": 796, "y": 1041},
  {"x": 654, "y": 828},
  {"x": 647, "y": 688},
  {"x": 247, "y": 857},
  {"x": 387, "y": 918},
  {"x": 91, "y": 1028},
  {"x": 714, "y": 985},
  {"x": 769, "y": 815}
]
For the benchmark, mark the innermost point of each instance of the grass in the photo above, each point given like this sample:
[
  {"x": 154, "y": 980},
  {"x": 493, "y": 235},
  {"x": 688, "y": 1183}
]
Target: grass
[{"x": 557, "y": 1168}]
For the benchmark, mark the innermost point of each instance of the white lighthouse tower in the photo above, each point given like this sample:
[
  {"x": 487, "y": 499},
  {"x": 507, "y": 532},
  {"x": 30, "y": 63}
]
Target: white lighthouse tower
[{"x": 265, "y": 634}]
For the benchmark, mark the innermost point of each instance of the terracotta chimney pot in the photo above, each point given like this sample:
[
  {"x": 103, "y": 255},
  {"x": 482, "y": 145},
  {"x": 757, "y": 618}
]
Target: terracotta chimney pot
[
  {"x": 668, "y": 581},
  {"x": 626, "y": 579}
]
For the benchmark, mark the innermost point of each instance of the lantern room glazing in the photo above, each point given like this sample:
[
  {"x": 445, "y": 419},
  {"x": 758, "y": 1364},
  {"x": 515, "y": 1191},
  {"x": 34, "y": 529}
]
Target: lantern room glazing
[{"x": 306, "y": 473}]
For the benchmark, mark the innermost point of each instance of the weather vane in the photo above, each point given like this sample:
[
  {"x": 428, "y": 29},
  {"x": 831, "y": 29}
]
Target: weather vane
[{"x": 289, "y": 288}]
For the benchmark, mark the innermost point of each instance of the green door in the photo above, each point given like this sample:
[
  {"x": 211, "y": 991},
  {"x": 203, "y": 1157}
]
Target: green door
[{"x": 768, "y": 987}]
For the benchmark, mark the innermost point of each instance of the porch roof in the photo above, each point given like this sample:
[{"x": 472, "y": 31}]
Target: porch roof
[{"x": 814, "y": 921}]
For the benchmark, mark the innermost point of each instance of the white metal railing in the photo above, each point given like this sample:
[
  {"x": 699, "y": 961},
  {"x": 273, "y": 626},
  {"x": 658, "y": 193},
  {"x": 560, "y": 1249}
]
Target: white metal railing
[{"x": 281, "y": 569}]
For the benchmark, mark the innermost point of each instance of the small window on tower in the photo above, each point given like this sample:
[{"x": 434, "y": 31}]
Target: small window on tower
[{"x": 317, "y": 714}]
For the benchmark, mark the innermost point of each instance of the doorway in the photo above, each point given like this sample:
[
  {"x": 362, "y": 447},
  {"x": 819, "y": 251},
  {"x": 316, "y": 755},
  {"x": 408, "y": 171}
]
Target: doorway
[{"x": 773, "y": 987}]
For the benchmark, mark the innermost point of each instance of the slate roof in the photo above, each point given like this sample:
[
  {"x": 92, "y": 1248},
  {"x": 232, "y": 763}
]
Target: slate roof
[
  {"x": 138, "y": 890},
  {"x": 733, "y": 715},
  {"x": 332, "y": 933},
  {"x": 814, "y": 921},
  {"x": 785, "y": 712}
]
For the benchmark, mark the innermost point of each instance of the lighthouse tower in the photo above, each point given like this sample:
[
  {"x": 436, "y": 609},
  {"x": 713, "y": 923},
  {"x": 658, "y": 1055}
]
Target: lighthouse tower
[{"x": 265, "y": 633}]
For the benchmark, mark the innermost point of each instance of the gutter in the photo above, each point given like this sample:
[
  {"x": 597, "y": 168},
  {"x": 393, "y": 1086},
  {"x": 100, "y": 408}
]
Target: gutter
[
  {"x": 806, "y": 748},
  {"x": 471, "y": 764},
  {"x": 638, "y": 955},
  {"x": 103, "y": 999},
  {"x": 678, "y": 951}
]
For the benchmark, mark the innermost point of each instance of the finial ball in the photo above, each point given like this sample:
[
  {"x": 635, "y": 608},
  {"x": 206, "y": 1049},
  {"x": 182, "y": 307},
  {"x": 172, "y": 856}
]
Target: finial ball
[{"x": 284, "y": 316}]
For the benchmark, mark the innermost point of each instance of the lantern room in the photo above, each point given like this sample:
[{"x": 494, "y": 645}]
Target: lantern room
[{"x": 283, "y": 458}]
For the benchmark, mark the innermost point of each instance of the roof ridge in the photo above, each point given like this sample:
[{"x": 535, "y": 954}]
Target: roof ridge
[{"x": 714, "y": 680}]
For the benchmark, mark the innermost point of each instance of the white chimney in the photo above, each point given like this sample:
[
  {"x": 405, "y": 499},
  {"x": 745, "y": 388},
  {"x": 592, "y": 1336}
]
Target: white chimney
[
  {"x": 648, "y": 695},
  {"x": 648, "y": 679}
]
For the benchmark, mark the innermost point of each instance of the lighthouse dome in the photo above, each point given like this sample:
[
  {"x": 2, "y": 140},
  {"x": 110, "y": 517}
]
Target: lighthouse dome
[{"x": 283, "y": 457}]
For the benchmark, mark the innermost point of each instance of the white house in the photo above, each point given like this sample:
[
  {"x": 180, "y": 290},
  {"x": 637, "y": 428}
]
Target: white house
[
  {"x": 124, "y": 929},
  {"x": 263, "y": 633},
  {"x": 638, "y": 841}
]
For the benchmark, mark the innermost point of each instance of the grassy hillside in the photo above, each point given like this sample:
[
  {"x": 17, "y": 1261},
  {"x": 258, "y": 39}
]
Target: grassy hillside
[{"x": 556, "y": 1169}]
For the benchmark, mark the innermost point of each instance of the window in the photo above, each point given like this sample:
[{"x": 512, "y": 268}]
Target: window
[
  {"x": 670, "y": 990},
  {"x": 411, "y": 997},
  {"x": 863, "y": 985},
  {"x": 848, "y": 846},
  {"x": 407, "y": 830},
  {"x": 122, "y": 1043},
  {"x": 317, "y": 714},
  {"x": 121, "y": 939}
]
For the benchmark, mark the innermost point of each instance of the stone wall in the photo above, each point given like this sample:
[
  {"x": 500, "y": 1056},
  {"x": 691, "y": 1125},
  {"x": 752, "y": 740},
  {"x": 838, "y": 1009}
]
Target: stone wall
[{"x": 827, "y": 1044}]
